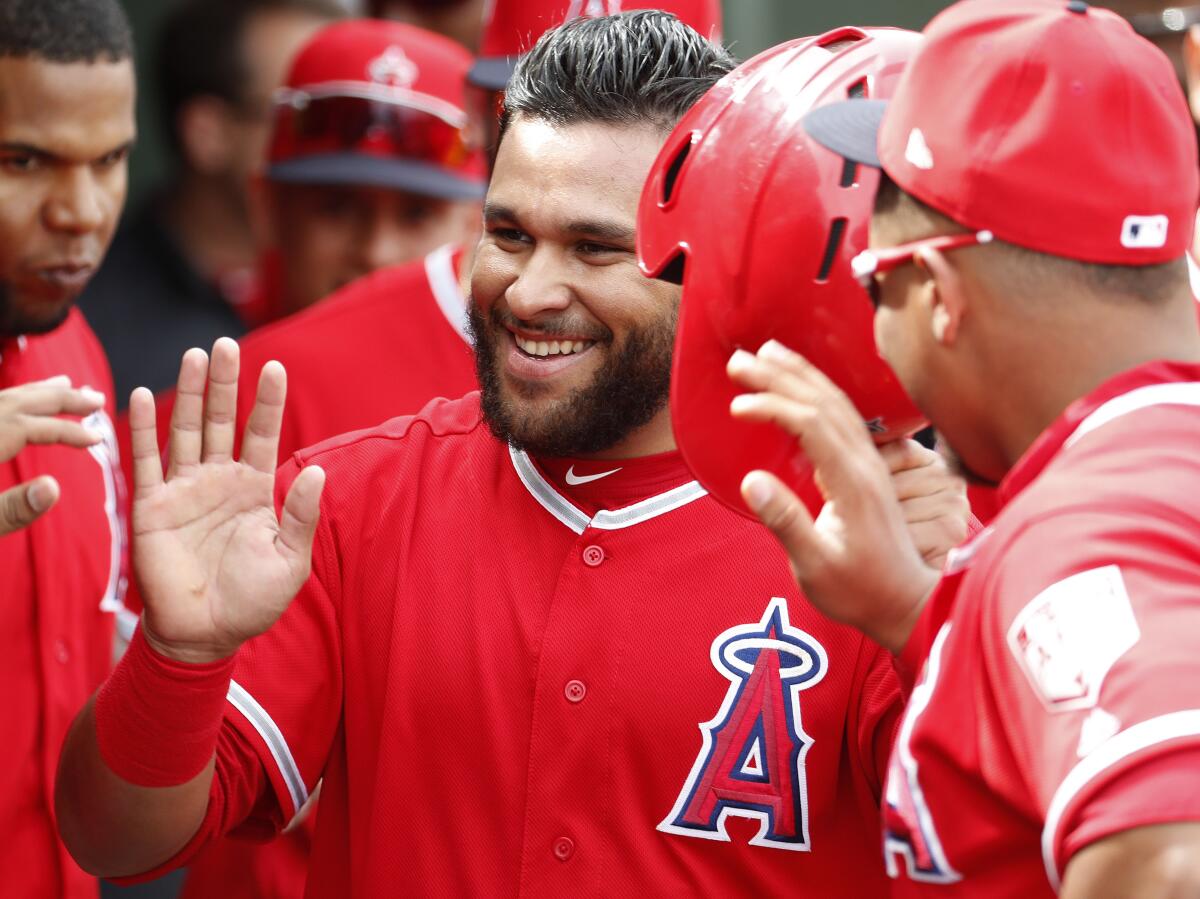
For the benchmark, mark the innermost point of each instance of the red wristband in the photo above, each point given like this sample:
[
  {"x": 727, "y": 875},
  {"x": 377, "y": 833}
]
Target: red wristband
[{"x": 157, "y": 720}]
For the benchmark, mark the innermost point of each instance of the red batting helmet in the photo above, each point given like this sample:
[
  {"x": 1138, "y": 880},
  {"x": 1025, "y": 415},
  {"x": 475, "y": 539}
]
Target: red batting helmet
[
  {"x": 512, "y": 27},
  {"x": 760, "y": 224}
]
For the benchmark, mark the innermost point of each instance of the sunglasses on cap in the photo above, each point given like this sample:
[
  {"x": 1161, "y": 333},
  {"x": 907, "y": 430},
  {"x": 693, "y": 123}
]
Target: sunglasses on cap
[
  {"x": 307, "y": 125},
  {"x": 869, "y": 264}
]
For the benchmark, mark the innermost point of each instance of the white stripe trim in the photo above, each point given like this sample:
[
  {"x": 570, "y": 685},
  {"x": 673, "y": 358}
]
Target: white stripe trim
[
  {"x": 439, "y": 269},
  {"x": 241, "y": 700},
  {"x": 577, "y": 520},
  {"x": 1143, "y": 735},
  {"x": 547, "y": 496},
  {"x": 1184, "y": 393}
]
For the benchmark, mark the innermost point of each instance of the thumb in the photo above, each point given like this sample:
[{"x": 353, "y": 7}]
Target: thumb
[
  {"x": 784, "y": 515},
  {"x": 22, "y": 505},
  {"x": 298, "y": 521}
]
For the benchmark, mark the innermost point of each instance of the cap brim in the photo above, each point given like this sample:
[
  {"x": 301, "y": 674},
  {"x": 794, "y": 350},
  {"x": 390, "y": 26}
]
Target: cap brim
[
  {"x": 375, "y": 171},
  {"x": 492, "y": 74},
  {"x": 849, "y": 128}
]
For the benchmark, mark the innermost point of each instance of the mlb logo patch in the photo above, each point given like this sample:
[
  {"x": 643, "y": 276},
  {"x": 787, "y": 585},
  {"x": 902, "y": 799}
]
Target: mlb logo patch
[
  {"x": 1071, "y": 634},
  {"x": 1144, "y": 232}
]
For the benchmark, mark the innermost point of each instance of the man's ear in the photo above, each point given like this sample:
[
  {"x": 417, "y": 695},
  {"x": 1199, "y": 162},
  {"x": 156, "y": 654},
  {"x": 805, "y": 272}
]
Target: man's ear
[
  {"x": 944, "y": 293},
  {"x": 1191, "y": 68}
]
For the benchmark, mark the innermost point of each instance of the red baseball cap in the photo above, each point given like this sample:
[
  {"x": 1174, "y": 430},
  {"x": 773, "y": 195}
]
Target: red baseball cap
[
  {"x": 763, "y": 224},
  {"x": 512, "y": 27},
  {"x": 377, "y": 103},
  {"x": 1049, "y": 123}
]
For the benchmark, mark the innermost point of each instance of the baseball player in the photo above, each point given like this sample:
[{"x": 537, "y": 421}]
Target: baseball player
[
  {"x": 66, "y": 126},
  {"x": 1033, "y": 297},
  {"x": 533, "y": 656}
]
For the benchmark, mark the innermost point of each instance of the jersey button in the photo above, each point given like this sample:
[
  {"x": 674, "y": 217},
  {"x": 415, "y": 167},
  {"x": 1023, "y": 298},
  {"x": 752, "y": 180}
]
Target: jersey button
[
  {"x": 564, "y": 848},
  {"x": 593, "y": 556},
  {"x": 61, "y": 652},
  {"x": 575, "y": 690}
]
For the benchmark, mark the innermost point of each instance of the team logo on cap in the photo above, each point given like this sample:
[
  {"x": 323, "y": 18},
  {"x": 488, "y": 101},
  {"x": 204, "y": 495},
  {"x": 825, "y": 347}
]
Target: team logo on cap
[
  {"x": 593, "y": 9},
  {"x": 917, "y": 152},
  {"x": 1144, "y": 232},
  {"x": 751, "y": 762},
  {"x": 393, "y": 68}
]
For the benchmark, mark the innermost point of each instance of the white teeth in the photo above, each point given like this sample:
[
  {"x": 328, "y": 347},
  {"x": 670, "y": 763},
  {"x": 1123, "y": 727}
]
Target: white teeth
[{"x": 551, "y": 347}]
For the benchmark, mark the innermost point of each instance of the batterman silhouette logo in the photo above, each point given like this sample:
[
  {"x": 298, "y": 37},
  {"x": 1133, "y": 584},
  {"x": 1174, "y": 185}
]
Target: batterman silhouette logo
[{"x": 751, "y": 761}]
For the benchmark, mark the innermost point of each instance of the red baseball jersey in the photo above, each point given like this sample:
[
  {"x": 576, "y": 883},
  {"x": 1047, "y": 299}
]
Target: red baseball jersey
[
  {"x": 383, "y": 346},
  {"x": 550, "y": 678},
  {"x": 64, "y": 578},
  {"x": 1060, "y": 697}
]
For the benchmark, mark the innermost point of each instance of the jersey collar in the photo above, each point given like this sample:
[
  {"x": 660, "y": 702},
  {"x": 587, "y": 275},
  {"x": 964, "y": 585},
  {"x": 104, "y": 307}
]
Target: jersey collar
[
  {"x": 1154, "y": 384},
  {"x": 441, "y": 269},
  {"x": 607, "y": 520}
]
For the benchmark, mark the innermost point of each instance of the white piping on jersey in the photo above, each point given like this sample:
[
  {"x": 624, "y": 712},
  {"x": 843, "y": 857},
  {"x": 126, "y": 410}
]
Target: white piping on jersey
[
  {"x": 241, "y": 700},
  {"x": 1180, "y": 393},
  {"x": 577, "y": 520},
  {"x": 439, "y": 269},
  {"x": 126, "y": 622},
  {"x": 1142, "y": 735}
]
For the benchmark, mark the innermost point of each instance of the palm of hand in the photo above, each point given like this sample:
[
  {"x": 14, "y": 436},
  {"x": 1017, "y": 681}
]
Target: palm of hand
[{"x": 205, "y": 542}]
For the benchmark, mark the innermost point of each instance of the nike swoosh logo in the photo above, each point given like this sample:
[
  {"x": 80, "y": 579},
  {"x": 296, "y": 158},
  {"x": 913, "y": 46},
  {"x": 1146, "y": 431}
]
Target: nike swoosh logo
[{"x": 575, "y": 480}]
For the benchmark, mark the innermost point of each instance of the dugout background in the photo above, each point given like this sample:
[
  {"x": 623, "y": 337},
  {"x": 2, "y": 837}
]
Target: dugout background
[{"x": 751, "y": 26}]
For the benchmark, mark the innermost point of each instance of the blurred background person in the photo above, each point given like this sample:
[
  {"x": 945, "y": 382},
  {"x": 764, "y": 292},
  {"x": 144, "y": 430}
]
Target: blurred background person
[
  {"x": 182, "y": 268},
  {"x": 461, "y": 20},
  {"x": 66, "y": 128},
  {"x": 367, "y": 165}
]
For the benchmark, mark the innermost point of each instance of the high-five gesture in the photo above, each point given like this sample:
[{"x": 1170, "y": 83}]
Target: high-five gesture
[{"x": 215, "y": 563}]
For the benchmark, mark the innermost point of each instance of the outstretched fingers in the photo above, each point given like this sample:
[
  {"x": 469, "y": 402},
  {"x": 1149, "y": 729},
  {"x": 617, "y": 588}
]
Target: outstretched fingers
[
  {"x": 184, "y": 444},
  {"x": 260, "y": 441},
  {"x": 298, "y": 520},
  {"x": 220, "y": 406},
  {"x": 147, "y": 463}
]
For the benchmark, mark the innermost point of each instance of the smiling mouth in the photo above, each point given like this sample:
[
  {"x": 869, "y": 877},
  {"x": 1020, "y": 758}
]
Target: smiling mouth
[{"x": 543, "y": 348}]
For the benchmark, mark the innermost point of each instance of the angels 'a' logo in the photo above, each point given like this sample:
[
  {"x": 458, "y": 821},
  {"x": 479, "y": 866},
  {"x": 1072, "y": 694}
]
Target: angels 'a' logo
[
  {"x": 393, "y": 68},
  {"x": 593, "y": 9},
  {"x": 751, "y": 763}
]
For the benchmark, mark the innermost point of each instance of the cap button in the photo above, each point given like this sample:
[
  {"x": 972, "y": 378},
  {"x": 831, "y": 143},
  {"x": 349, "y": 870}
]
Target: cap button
[{"x": 1077, "y": 6}]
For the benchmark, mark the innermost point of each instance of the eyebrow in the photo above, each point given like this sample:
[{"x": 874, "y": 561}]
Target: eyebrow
[
  {"x": 605, "y": 230},
  {"x": 31, "y": 150}
]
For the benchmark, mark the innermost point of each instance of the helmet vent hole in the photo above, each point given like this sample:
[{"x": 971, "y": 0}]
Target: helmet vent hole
[
  {"x": 850, "y": 168},
  {"x": 673, "y": 171},
  {"x": 836, "y": 231},
  {"x": 672, "y": 272}
]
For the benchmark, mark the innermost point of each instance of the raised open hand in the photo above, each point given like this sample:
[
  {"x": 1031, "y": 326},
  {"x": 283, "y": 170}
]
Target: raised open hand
[
  {"x": 29, "y": 413},
  {"x": 215, "y": 564},
  {"x": 868, "y": 560}
]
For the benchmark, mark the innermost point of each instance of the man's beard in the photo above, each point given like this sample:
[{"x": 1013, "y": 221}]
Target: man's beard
[
  {"x": 628, "y": 390},
  {"x": 14, "y": 322}
]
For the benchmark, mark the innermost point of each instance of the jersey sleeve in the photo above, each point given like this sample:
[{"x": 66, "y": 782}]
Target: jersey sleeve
[
  {"x": 1089, "y": 624},
  {"x": 286, "y": 694},
  {"x": 875, "y": 714}
]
